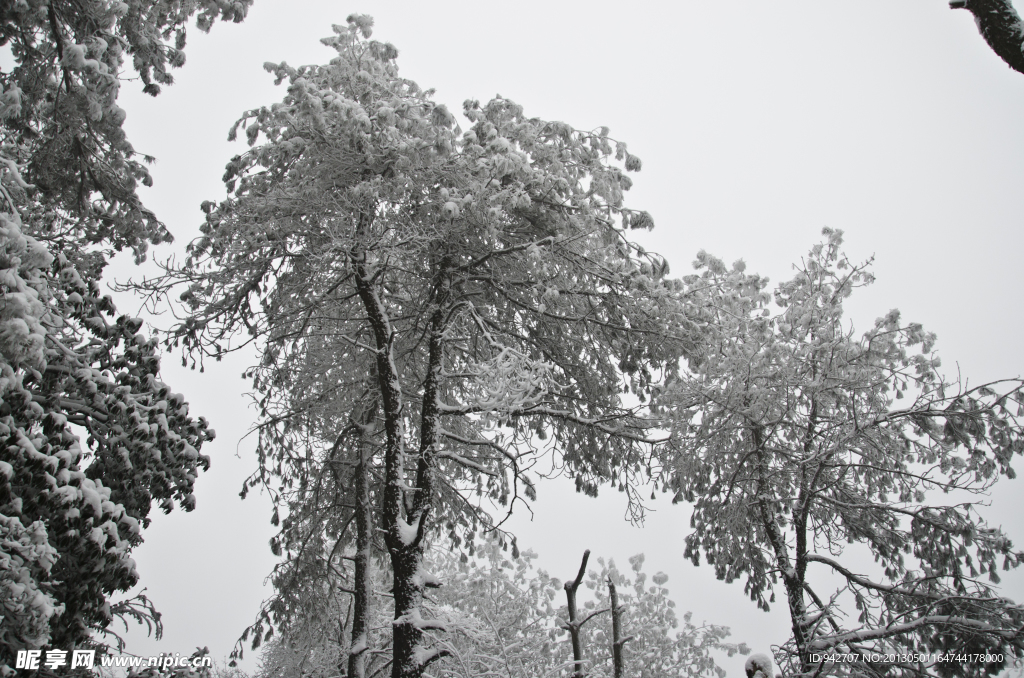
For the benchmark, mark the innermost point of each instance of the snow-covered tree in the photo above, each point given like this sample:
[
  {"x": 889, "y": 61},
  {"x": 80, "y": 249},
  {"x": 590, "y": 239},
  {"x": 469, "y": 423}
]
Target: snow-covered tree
[
  {"x": 326, "y": 535},
  {"x": 659, "y": 642},
  {"x": 504, "y": 617},
  {"x": 68, "y": 365},
  {"x": 805, "y": 447},
  {"x": 477, "y": 287}
]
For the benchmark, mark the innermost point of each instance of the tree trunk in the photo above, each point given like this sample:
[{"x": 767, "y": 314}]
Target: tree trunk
[
  {"x": 618, "y": 662},
  {"x": 574, "y": 624},
  {"x": 363, "y": 585},
  {"x": 791, "y": 576},
  {"x": 410, "y": 657},
  {"x": 404, "y": 557},
  {"x": 404, "y": 536}
]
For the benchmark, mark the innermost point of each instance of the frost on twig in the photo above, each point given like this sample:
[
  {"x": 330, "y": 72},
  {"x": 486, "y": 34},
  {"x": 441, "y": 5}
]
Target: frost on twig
[{"x": 509, "y": 381}]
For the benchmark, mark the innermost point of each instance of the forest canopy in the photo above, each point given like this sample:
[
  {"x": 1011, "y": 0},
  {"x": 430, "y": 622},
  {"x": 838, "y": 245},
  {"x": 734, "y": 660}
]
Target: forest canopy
[{"x": 441, "y": 303}]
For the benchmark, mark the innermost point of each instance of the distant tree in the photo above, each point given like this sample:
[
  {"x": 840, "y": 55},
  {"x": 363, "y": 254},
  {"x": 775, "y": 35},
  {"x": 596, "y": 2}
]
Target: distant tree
[
  {"x": 69, "y": 516},
  {"x": 660, "y": 643},
  {"x": 502, "y": 617},
  {"x": 1001, "y": 27},
  {"x": 483, "y": 280},
  {"x": 795, "y": 439}
]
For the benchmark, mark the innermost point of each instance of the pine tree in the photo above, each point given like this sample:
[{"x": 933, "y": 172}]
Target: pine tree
[
  {"x": 477, "y": 287},
  {"x": 70, "y": 514},
  {"x": 794, "y": 438}
]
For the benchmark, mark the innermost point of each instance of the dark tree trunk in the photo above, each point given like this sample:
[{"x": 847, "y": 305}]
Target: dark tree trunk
[
  {"x": 403, "y": 563},
  {"x": 618, "y": 661},
  {"x": 792, "y": 576},
  {"x": 407, "y": 557},
  {"x": 404, "y": 534},
  {"x": 363, "y": 585},
  {"x": 575, "y": 624}
]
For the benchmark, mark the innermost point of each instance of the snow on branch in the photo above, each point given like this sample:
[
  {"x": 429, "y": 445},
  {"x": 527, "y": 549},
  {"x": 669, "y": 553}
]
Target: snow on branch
[
  {"x": 1001, "y": 27},
  {"x": 509, "y": 380},
  {"x": 888, "y": 631}
]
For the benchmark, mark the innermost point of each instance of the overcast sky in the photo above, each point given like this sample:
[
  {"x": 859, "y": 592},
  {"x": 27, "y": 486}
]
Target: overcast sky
[{"x": 757, "y": 123}]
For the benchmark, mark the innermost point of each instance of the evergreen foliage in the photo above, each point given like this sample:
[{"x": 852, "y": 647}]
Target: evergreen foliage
[
  {"x": 69, "y": 366},
  {"x": 500, "y": 616},
  {"x": 446, "y": 298},
  {"x": 794, "y": 439}
]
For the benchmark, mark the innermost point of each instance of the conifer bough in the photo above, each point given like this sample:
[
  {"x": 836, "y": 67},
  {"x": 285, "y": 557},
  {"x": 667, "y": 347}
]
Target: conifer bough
[{"x": 71, "y": 514}]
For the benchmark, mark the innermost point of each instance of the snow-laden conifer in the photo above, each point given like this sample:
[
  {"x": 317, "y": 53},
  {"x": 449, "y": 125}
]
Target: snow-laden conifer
[
  {"x": 90, "y": 437},
  {"x": 474, "y": 288},
  {"x": 795, "y": 438}
]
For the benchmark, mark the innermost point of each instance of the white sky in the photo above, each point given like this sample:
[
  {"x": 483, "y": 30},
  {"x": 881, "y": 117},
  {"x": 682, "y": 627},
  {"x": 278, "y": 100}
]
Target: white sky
[{"x": 758, "y": 124}]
